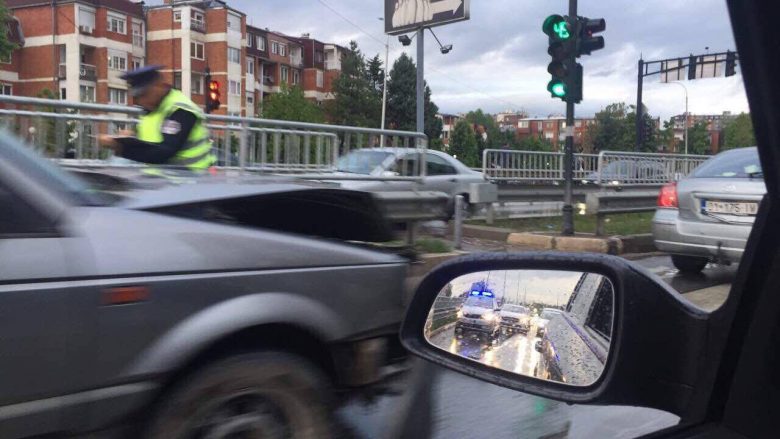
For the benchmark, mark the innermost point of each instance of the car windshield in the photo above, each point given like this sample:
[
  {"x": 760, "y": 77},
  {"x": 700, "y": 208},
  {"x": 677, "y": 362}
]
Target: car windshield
[
  {"x": 516, "y": 309},
  {"x": 741, "y": 163},
  {"x": 361, "y": 162},
  {"x": 479, "y": 301},
  {"x": 24, "y": 159}
]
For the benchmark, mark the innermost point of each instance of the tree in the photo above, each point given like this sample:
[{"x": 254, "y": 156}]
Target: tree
[
  {"x": 6, "y": 46},
  {"x": 290, "y": 104},
  {"x": 356, "y": 102},
  {"x": 375, "y": 74},
  {"x": 463, "y": 144},
  {"x": 402, "y": 100},
  {"x": 738, "y": 133},
  {"x": 666, "y": 136},
  {"x": 699, "y": 139},
  {"x": 487, "y": 133},
  {"x": 615, "y": 130},
  {"x": 535, "y": 143}
]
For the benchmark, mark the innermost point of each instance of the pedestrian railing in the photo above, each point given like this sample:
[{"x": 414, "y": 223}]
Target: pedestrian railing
[
  {"x": 608, "y": 168},
  {"x": 64, "y": 130}
]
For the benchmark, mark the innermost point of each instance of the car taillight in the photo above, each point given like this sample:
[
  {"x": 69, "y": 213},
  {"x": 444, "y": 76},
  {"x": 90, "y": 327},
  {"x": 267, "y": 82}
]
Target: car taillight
[{"x": 668, "y": 196}]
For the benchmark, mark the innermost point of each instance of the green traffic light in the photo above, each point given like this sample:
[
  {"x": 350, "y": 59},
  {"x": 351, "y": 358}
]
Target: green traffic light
[
  {"x": 557, "y": 27},
  {"x": 557, "y": 88}
]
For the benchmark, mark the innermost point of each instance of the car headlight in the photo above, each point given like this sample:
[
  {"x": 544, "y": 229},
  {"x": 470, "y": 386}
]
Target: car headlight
[
  {"x": 489, "y": 316},
  {"x": 460, "y": 313}
]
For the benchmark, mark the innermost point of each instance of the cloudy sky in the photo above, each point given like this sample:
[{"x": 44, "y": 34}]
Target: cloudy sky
[{"x": 499, "y": 59}]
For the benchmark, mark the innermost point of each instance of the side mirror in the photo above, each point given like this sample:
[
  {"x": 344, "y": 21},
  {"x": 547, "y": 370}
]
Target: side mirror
[{"x": 615, "y": 334}]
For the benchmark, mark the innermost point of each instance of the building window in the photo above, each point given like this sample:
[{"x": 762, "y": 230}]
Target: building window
[
  {"x": 578, "y": 123},
  {"x": 117, "y": 61},
  {"x": 6, "y": 90},
  {"x": 138, "y": 34},
  {"x": 196, "y": 84},
  {"x": 117, "y": 96},
  {"x": 548, "y": 125},
  {"x": 250, "y": 41},
  {"x": 282, "y": 50},
  {"x": 522, "y": 124},
  {"x": 274, "y": 47},
  {"x": 296, "y": 79},
  {"x": 250, "y": 103},
  {"x": 318, "y": 56},
  {"x": 234, "y": 22},
  {"x": 6, "y": 59},
  {"x": 177, "y": 16},
  {"x": 234, "y": 55},
  {"x": 197, "y": 50},
  {"x": 177, "y": 80},
  {"x": 63, "y": 93},
  {"x": 250, "y": 66},
  {"x": 197, "y": 17},
  {"x": 234, "y": 88},
  {"x": 116, "y": 23},
  {"x": 260, "y": 43},
  {"x": 320, "y": 78},
  {"x": 284, "y": 76},
  {"x": 87, "y": 93},
  {"x": 548, "y": 135},
  {"x": 86, "y": 18},
  {"x": 137, "y": 62}
]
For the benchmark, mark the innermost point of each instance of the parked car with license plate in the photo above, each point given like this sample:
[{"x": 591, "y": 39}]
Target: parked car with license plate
[{"x": 709, "y": 215}]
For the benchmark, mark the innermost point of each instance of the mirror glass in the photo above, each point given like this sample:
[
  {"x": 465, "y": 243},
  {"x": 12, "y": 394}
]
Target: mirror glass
[{"x": 550, "y": 325}]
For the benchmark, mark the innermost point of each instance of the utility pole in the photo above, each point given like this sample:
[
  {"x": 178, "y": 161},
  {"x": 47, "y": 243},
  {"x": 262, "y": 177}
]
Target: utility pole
[
  {"x": 568, "y": 152},
  {"x": 420, "y": 80},
  {"x": 639, "y": 115},
  {"x": 384, "y": 90}
]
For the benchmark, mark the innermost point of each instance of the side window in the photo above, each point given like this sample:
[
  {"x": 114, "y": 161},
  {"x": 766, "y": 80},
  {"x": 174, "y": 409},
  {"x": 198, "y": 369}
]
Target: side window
[
  {"x": 18, "y": 219},
  {"x": 600, "y": 315},
  {"x": 408, "y": 165},
  {"x": 435, "y": 165}
]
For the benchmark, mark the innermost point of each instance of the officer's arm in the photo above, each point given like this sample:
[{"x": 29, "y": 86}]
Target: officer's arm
[{"x": 176, "y": 130}]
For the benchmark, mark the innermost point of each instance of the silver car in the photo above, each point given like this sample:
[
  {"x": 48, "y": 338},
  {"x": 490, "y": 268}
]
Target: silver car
[
  {"x": 443, "y": 172},
  {"x": 708, "y": 216}
]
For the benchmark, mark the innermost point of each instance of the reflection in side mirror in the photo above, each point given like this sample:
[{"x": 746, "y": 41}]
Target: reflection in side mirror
[
  {"x": 549, "y": 325},
  {"x": 389, "y": 174}
]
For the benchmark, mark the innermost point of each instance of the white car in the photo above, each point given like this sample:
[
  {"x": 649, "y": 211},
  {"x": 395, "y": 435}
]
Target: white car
[{"x": 515, "y": 318}]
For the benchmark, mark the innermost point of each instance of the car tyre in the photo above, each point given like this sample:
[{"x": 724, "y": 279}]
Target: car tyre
[
  {"x": 268, "y": 394},
  {"x": 689, "y": 264}
]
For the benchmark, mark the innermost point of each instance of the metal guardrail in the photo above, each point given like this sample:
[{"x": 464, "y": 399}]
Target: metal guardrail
[
  {"x": 608, "y": 168},
  {"x": 606, "y": 203},
  {"x": 69, "y": 130}
]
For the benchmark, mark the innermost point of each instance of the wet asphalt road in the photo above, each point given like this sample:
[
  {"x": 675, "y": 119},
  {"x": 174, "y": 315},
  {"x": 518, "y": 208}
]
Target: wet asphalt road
[{"x": 464, "y": 407}]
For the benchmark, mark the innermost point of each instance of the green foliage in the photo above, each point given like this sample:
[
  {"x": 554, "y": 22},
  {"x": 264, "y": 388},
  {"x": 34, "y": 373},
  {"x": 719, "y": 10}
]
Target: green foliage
[
  {"x": 357, "y": 101},
  {"x": 375, "y": 71},
  {"x": 739, "y": 133},
  {"x": 666, "y": 136},
  {"x": 290, "y": 104},
  {"x": 463, "y": 144},
  {"x": 535, "y": 143},
  {"x": 615, "y": 130},
  {"x": 699, "y": 139},
  {"x": 488, "y": 135},
  {"x": 6, "y": 47},
  {"x": 402, "y": 100}
]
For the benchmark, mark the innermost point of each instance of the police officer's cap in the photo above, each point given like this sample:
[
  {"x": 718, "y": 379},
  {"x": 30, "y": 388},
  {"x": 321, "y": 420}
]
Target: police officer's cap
[{"x": 141, "y": 78}]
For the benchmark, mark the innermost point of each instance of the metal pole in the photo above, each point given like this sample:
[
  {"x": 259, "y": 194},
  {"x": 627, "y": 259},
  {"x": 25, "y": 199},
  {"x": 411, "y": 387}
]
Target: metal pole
[
  {"x": 421, "y": 80},
  {"x": 384, "y": 91},
  {"x": 568, "y": 156},
  {"x": 686, "y": 119},
  {"x": 458, "y": 232},
  {"x": 640, "y": 76}
]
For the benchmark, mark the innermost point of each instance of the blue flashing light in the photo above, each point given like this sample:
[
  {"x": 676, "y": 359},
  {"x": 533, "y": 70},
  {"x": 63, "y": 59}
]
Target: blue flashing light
[
  {"x": 475, "y": 293},
  {"x": 487, "y": 294}
]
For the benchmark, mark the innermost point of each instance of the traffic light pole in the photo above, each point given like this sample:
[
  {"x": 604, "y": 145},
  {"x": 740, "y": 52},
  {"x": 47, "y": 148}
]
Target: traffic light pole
[
  {"x": 639, "y": 114},
  {"x": 420, "y": 80},
  {"x": 568, "y": 152}
]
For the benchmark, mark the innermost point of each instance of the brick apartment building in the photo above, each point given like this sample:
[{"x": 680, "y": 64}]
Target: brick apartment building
[
  {"x": 448, "y": 122},
  {"x": 77, "y": 49},
  {"x": 552, "y": 129},
  {"x": 187, "y": 37},
  {"x": 507, "y": 120},
  {"x": 715, "y": 124}
]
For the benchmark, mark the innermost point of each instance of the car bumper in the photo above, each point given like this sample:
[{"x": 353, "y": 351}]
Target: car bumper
[
  {"x": 474, "y": 327},
  {"x": 719, "y": 241},
  {"x": 514, "y": 327}
]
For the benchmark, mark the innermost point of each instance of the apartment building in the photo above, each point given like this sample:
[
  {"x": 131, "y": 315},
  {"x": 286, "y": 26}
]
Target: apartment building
[
  {"x": 448, "y": 122},
  {"x": 507, "y": 120},
  {"x": 77, "y": 49},
  {"x": 715, "y": 124},
  {"x": 314, "y": 70},
  {"x": 552, "y": 129},
  {"x": 190, "y": 38}
]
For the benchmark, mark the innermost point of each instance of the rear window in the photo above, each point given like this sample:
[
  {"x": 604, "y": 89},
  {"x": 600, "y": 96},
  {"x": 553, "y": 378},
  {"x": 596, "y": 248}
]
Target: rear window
[{"x": 743, "y": 163}]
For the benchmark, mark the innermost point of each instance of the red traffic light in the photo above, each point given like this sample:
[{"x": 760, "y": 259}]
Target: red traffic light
[{"x": 214, "y": 85}]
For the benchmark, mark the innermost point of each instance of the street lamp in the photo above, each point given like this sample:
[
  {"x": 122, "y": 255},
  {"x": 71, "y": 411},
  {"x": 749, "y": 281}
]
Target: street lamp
[
  {"x": 384, "y": 86},
  {"x": 444, "y": 49},
  {"x": 686, "y": 113}
]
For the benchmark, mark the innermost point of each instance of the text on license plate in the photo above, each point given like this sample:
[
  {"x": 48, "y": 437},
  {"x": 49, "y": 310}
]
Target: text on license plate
[{"x": 730, "y": 207}]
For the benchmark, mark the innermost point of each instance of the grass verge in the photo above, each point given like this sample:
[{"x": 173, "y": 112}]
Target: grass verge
[{"x": 618, "y": 224}]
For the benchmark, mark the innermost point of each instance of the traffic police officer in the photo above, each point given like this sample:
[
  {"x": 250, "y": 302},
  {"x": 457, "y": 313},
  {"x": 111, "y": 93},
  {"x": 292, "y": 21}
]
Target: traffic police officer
[{"x": 173, "y": 130}]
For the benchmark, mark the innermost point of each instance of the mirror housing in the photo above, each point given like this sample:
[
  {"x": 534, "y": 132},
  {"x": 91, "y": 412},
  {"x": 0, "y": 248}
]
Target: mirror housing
[{"x": 659, "y": 339}]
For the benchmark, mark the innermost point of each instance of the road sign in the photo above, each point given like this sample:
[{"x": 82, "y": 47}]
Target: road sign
[{"x": 403, "y": 16}]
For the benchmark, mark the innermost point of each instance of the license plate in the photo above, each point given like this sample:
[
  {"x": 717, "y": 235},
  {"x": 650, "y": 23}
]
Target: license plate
[{"x": 730, "y": 207}]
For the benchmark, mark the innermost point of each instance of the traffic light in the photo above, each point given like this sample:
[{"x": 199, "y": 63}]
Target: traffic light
[
  {"x": 586, "y": 41},
  {"x": 561, "y": 36},
  {"x": 212, "y": 98},
  {"x": 731, "y": 63}
]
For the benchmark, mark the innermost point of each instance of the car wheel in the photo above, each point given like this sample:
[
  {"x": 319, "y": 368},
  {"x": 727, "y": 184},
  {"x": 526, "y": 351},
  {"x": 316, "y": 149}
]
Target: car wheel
[
  {"x": 689, "y": 264},
  {"x": 267, "y": 394}
]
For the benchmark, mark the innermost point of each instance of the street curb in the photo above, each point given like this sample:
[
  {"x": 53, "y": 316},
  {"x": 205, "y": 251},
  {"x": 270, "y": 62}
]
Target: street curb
[
  {"x": 613, "y": 245},
  {"x": 535, "y": 241},
  {"x": 484, "y": 232}
]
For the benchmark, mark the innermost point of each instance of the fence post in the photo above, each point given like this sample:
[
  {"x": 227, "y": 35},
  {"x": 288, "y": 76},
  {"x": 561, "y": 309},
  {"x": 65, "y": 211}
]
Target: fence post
[
  {"x": 242, "y": 147},
  {"x": 599, "y": 224},
  {"x": 600, "y": 166},
  {"x": 458, "y": 226}
]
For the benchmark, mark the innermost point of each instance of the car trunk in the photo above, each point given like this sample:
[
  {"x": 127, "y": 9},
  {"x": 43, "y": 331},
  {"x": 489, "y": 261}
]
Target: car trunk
[{"x": 720, "y": 200}]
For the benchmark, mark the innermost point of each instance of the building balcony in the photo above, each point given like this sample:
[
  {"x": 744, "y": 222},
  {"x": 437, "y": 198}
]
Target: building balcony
[
  {"x": 88, "y": 72},
  {"x": 332, "y": 65},
  {"x": 198, "y": 26},
  {"x": 296, "y": 61}
]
